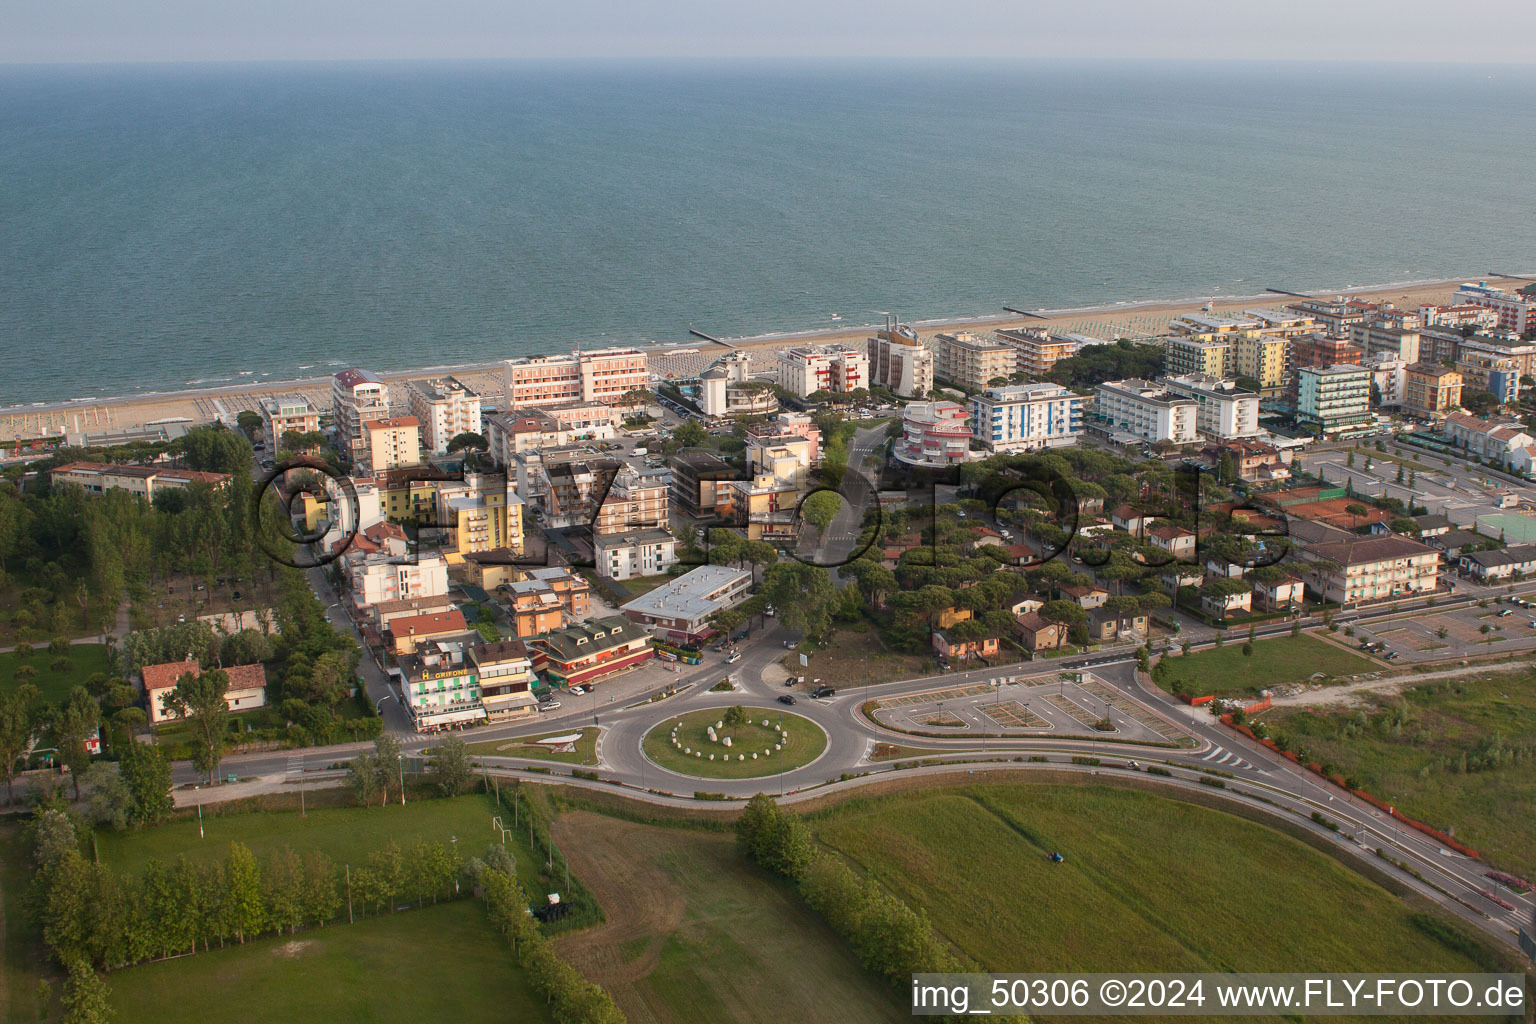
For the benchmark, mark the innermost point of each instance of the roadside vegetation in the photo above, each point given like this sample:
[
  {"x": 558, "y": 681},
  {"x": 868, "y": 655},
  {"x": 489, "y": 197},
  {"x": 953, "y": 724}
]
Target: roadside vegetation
[{"x": 1239, "y": 667}]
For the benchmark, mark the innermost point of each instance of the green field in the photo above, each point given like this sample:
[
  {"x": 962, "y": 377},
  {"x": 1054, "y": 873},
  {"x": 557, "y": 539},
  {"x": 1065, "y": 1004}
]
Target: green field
[
  {"x": 1428, "y": 752},
  {"x": 87, "y": 659},
  {"x": 695, "y": 935},
  {"x": 440, "y": 963},
  {"x": 524, "y": 746},
  {"x": 1148, "y": 884},
  {"x": 1226, "y": 670},
  {"x": 802, "y": 740},
  {"x": 22, "y": 965},
  {"x": 857, "y": 657}
]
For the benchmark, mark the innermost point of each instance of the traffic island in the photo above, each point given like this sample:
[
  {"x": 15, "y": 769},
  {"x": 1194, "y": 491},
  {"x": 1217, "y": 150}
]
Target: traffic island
[{"x": 735, "y": 743}]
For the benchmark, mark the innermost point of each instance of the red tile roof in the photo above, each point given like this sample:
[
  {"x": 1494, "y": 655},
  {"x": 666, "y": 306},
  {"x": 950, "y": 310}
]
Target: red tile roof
[{"x": 241, "y": 677}]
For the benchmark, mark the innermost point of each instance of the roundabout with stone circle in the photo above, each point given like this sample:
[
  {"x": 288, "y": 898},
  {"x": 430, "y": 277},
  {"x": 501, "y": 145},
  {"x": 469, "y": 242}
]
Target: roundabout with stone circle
[{"x": 741, "y": 742}]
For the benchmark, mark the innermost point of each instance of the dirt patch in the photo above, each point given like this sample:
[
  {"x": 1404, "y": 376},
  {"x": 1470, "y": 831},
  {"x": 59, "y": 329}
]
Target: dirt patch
[
  {"x": 289, "y": 950},
  {"x": 642, "y": 908}
]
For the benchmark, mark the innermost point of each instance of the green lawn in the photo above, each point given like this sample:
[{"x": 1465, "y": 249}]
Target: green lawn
[
  {"x": 1148, "y": 884},
  {"x": 23, "y": 964},
  {"x": 524, "y": 746},
  {"x": 802, "y": 741},
  {"x": 86, "y": 659},
  {"x": 345, "y": 834},
  {"x": 1226, "y": 670},
  {"x": 694, "y": 934},
  {"x": 440, "y": 963},
  {"x": 1409, "y": 750}
]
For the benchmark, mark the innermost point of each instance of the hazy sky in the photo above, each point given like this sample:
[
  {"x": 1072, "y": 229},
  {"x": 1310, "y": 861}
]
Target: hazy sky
[{"x": 158, "y": 30}]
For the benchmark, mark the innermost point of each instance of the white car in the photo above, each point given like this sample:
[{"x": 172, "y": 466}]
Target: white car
[
  {"x": 578, "y": 690},
  {"x": 549, "y": 705}
]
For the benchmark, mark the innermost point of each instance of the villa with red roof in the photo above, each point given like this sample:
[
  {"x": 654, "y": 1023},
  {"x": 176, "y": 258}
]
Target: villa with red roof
[{"x": 247, "y": 687}]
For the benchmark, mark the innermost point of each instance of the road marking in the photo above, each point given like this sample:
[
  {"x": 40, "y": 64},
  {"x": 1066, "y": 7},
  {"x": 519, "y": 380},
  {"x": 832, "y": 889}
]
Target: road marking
[{"x": 295, "y": 764}]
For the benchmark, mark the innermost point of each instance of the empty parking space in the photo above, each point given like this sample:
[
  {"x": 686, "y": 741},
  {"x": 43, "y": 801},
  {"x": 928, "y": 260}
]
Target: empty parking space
[{"x": 1010, "y": 714}]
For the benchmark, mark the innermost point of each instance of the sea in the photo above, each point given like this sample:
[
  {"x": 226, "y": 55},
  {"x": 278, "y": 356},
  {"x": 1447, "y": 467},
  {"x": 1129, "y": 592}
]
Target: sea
[{"x": 170, "y": 226}]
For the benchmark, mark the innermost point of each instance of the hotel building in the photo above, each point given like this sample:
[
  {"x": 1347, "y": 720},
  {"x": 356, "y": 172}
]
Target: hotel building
[
  {"x": 1026, "y": 416},
  {"x": 287, "y": 414},
  {"x": 972, "y": 362},
  {"x": 1035, "y": 349},
  {"x": 445, "y": 408},
  {"x": 358, "y": 398},
  {"x": 1430, "y": 389},
  {"x": 807, "y": 369},
  {"x": 1144, "y": 410},
  {"x": 1333, "y": 398},
  {"x": 603, "y": 375},
  {"x": 900, "y": 362},
  {"x": 1223, "y": 411},
  {"x": 934, "y": 435}
]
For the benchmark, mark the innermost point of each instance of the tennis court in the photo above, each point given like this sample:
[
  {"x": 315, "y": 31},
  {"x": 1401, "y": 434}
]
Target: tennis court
[{"x": 1514, "y": 527}]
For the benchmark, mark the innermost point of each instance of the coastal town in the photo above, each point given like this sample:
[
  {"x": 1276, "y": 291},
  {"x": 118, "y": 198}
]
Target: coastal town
[{"x": 924, "y": 542}]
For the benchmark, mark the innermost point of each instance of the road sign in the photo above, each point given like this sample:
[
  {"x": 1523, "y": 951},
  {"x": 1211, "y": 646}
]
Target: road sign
[{"x": 805, "y": 661}]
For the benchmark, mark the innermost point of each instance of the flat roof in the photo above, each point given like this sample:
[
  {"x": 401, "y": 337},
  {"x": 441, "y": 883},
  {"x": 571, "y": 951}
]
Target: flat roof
[{"x": 685, "y": 597}]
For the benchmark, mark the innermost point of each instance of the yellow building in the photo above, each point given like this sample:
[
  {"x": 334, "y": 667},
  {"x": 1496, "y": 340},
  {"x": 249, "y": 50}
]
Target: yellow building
[
  {"x": 1195, "y": 354},
  {"x": 1263, "y": 357},
  {"x": 392, "y": 443},
  {"x": 1430, "y": 389}
]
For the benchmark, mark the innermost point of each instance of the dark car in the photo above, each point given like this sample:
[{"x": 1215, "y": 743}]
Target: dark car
[
  {"x": 742, "y": 635},
  {"x": 823, "y": 691},
  {"x": 787, "y": 698}
]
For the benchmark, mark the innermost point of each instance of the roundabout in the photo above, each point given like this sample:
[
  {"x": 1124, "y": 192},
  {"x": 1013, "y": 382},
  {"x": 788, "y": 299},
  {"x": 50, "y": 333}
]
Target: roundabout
[{"x": 743, "y": 742}]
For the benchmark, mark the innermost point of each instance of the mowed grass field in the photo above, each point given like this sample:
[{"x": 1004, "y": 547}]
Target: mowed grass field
[
  {"x": 1226, "y": 670},
  {"x": 1148, "y": 884},
  {"x": 1421, "y": 750},
  {"x": 694, "y": 934},
  {"x": 85, "y": 659},
  {"x": 585, "y": 752},
  {"x": 440, "y": 963}
]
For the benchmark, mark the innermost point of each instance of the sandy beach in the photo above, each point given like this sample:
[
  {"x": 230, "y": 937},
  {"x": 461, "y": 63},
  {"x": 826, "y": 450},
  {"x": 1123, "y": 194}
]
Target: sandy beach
[{"x": 1144, "y": 319}]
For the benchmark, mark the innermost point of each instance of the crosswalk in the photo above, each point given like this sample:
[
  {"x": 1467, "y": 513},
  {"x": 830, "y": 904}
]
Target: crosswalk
[
  {"x": 1225, "y": 758},
  {"x": 296, "y": 764}
]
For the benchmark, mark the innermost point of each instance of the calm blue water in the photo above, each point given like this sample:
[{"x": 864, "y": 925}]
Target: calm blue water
[{"x": 164, "y": 225}]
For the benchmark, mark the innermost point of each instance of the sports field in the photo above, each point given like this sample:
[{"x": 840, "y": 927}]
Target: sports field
[
  {"x": 389, "y": 969},
  {"x": 693, "y": 934},
  {"x": 1226, "y": 670},
  {"x": 975, "y": 860},
  {"x": 1514, "y": 527}
]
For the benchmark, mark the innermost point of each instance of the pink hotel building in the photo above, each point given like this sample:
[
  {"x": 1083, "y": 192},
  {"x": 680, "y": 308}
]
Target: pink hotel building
[{"x": 603, "y": 375}]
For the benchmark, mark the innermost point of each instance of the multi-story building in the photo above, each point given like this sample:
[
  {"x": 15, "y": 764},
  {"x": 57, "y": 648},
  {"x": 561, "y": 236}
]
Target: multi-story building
[
  {"x": 1222, "y": 409},
  {"x": 1283, "y": 323},
  {"x": 1488, "y": 440},
  {"x": 1209, "y": 325},
  {"x": 543, "y": 599},
  {"x": 377, "y": 582},
  {"x": 1376, "y": 338},
  {"x": 1323, "y": 350},
  {"x": 440, "y": 686},
  {"x": 786, "y": 426},
  {"x": 1025, "y": 416},
  {"x": 590, "y": 651},
  {"x": 623, "y": 556},
  {"x": 286, "y": 414},
  {"x": 1205, "y": 356},
  {"x": 483, "y": 512},
  {"x": 445, "y": 407},
  {"x": 680, "y": 610},
  {"x": 807, "y": 369},
  {"x": 898, "y": 360},
  {"x": 698, "y": 483},
  {"x": 393, "y": 443},
  {"x": 637, "y": 500},
  {"x": 1521, "y": 354},
  {"x": 602, "y": 375},
  {"x": 934, "y": 435},
  {"x": 358, "y": 398},
  {"x": 145, "y": 481},
  {"x": 504, "y": 675},
  {"x": 1462, "y": 315},
  {"x": 1389, "y": 376},
  {"x": 726, "y": 389},
  {"x": 566, "y": 484},
  {"x": 1336, "y": 316},
  {"x": 1263, "y": 357},
  {"x": 554, "y": 426},
  {"x": 1374, "y": 568},
  {"x": 764, "y": 505},
  {"x": 409, "y": 632},
  {"x": 1035, "y": 349},
  {"x": 1516, "y": 311},
  {"x": 1140, "y": 409},
  {"x": 970, "y": 361},
  {"x": 1333, "y": 398},
  {"x": 1430, "y": 389}
]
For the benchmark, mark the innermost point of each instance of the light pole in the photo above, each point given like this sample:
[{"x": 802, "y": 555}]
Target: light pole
[{"x": 400, "y": 758}]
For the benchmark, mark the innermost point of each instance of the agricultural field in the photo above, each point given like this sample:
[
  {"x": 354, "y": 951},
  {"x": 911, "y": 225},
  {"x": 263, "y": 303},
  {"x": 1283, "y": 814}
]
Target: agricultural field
[
  {"x": 382, "y": 970},
  {"x": 750, "y": 755},
  {"x": 527, "y": 746},
  {"x": 54, "y": 684},
  {"x": 1458, "y": 754},
  {"x": 975, "y": 860},
  {"x": 693, "y": 934},
  {"x": 1227, "y": 671}
]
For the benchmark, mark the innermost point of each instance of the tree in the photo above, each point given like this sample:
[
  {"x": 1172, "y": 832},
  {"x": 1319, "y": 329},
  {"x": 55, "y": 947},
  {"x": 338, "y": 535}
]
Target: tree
[
  {"x": 108, "y": 802},
  {"x": 85, "y": 996},
  {"x": 364, "y": 778},
  {"x": 200, "y": 700},
  {"x": 147, "y": 774},
  {"x": 386, "y": 749},
  {"x": 468, "y": 439},
  {"x": 242, "y": 893},
  {"x": 1356, "y": 509},
  {"x": 689, "y": 434},
  {"x": 449, "y": 766},
  {"x": 16, "y": 725},
  {"x": 282, "y": 890},
  {"x": 735, "y": 717},
  {"x": 321, "y": 900},
  {"x": 76, "y": 723},
  {"x": 820, "y": 508}
]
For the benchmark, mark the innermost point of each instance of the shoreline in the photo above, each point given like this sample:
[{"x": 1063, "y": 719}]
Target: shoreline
[{"x": 131, "y": 411}]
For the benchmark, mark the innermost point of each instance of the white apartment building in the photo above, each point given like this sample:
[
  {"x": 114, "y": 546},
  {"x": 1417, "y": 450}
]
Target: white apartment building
[
  {"x": 1223, "y": 410},
  {"x": 900, "y": 362},
  {"x": 445, "y": 407},
  {"x": 1142, "y": 409},
  {"x": 287, "y": 413},
  {"x": 807, "y": 369},
  {"x": 379, "y": 581},
  {"x": 1372, "y": 568},
  {"x": 727, "y": 389},
  {"x": 1025, "y": 416},
  {"x": 1516, "y": 312},
  {"x": 1378, "y": 338},
  {"x": 622, "y": 556},
  {"x": 358, "y": 398},
  {"x": 934, "y": 435},
  {"x": 602, "y": 375},
  {"x": 970, "y": 361}
]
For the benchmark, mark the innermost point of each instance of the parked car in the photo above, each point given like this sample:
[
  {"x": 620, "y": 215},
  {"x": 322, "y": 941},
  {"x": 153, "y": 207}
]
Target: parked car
[
  {"x": 823, "y": 691},
  {"x": 735, "y": 656},
  {"x": 578, "y": 689},
  {"x": 787, "y": 698},
  {"x": 742, "y": 635},
  {"x": 548, "y": 705},
  {"x": 788, "y": 644}
]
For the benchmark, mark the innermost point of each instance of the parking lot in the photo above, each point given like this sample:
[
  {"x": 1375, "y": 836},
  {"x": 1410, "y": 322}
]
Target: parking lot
[
  {"x": 1025, "y": 705},
  {"x": 1499, "y": 628},
  {"x": 1458, "y": 492}
]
